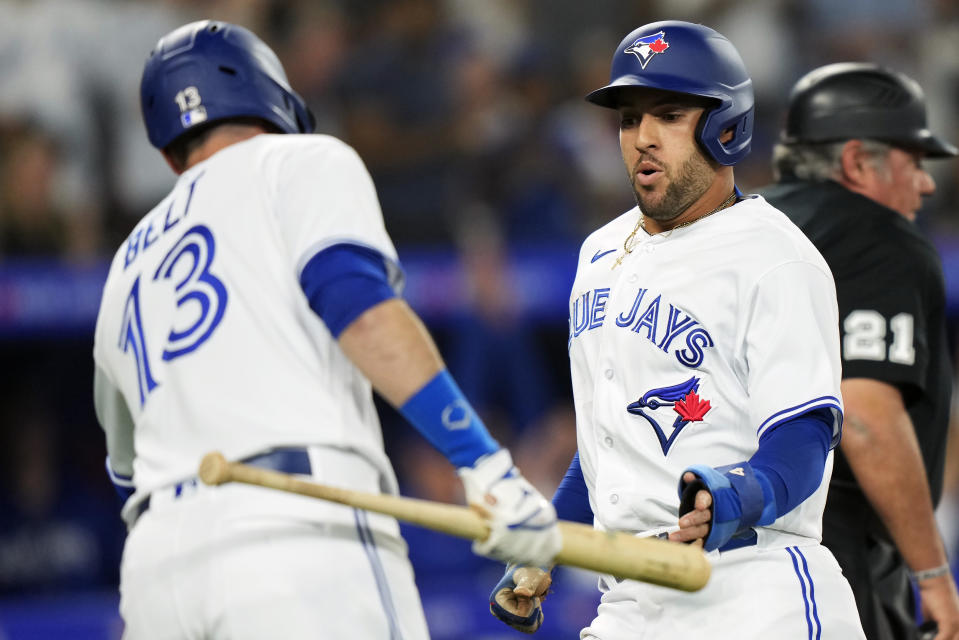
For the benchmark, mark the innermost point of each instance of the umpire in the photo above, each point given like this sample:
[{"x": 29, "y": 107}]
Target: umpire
[{"x": 849, "y": 174}]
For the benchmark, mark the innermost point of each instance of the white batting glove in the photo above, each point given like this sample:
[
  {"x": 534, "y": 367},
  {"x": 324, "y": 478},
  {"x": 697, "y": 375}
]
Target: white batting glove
[{"x": 522, "y": 522}]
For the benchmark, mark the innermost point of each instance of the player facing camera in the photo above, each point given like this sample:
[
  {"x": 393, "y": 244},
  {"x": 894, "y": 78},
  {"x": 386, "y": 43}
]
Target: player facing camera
[{"x": 705, "y": 368}]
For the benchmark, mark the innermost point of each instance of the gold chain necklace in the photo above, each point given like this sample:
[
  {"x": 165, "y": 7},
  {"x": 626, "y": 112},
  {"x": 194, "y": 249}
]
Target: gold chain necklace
[{"x": 630, "y": 242}]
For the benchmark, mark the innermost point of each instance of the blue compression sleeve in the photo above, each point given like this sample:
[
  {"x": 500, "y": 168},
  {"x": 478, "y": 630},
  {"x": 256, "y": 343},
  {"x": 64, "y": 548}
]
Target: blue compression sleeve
[
  {"x": 442, "y": 414},
  {"x": 343, "y": 281},
  {"x": 791, "y": 458},
  {"x": 571, "y": 499},
  {"x": 785, "y": 470}
]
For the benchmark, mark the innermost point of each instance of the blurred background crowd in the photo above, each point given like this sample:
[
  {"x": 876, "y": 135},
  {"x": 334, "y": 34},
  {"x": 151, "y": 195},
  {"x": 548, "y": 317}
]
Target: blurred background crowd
[{"x": 490, "y": 167}]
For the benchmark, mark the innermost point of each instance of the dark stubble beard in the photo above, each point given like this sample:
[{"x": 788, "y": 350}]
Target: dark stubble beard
[{"x": 684, "y": 189}]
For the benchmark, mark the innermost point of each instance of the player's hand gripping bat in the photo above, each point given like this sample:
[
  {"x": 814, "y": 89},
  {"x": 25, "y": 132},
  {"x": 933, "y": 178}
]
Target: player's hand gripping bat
[{"x": 661, "y": 562}]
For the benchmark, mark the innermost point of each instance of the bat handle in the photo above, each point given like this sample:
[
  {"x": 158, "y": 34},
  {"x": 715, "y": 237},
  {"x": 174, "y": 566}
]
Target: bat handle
[{"x": 215, "y": 469}]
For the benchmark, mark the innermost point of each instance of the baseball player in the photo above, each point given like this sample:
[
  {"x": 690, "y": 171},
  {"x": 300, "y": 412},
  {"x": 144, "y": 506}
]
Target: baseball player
[
  {"x": 705, "y": 369},
  {"x": 851, "y": 177},
  {"x": 251, "y": 311}
]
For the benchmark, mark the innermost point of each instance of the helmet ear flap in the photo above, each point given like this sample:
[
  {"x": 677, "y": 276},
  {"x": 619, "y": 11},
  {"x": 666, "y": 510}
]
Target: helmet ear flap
[
  {"x": 709, "y": 136},
  {"x": 700, "y": 129},
  {"x": 715, "y": 122}
]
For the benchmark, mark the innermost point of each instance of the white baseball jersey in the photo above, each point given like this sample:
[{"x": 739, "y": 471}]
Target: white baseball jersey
[
  {"x": 204, "y": 328},
  {"x": 704, "y": 338}
]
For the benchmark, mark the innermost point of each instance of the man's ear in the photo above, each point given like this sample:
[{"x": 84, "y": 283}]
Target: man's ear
[
  {"x": 170, "y": 161},
  {"x": 727, "y": 135},
  {"x": 854, "y": 162}
]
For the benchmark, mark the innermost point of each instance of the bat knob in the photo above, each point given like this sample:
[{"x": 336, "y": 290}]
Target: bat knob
[{"x": 214, "y": 469}]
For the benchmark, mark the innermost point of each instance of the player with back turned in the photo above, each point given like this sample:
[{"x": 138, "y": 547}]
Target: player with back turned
[
  {"x": 251, "y": 311},
  {"x": 705, "y": 369},
  {"x": 849, "y": 174}
]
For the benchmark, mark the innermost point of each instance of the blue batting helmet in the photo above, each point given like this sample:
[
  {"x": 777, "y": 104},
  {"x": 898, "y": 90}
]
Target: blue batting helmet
[
  {"x": 207, "y": 71},
  {"x": 688, "y": 58}
]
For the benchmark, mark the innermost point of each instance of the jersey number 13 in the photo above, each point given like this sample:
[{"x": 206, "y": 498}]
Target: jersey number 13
[{"x": 195, "y": 324}]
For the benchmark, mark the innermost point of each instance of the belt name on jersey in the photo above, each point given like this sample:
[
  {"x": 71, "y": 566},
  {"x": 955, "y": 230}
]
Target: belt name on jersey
[
  {"x": 655, "y": 323},
  {"x": 143, "y": 237}
]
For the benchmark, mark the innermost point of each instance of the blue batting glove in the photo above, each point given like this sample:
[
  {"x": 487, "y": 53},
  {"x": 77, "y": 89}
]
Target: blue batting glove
[{"x": 738, "y": 500}]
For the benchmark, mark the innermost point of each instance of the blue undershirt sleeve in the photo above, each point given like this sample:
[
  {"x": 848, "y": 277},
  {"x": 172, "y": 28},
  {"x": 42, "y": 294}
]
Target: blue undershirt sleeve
[
  {"x": 791, "y": 458},
  {"x": 785, "y": 470},
  {"x": 571, "y": 499},
  {"x": 343, "y": 281}
]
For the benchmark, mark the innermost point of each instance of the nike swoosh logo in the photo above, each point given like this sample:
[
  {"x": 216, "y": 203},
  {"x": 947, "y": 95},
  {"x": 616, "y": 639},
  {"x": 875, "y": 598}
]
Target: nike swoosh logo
[{"x": 599, "y": 255}]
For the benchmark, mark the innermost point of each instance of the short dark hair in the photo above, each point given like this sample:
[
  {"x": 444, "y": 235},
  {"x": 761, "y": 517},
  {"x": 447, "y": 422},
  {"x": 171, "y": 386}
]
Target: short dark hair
[{"x": 180, "y": 149}]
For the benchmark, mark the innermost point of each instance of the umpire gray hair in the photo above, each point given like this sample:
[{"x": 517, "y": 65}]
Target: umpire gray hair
[{"x": 821, "y": 161}]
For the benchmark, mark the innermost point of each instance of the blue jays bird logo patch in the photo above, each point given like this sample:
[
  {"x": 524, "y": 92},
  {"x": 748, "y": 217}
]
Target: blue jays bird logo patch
[
  {"x": 682, "y": 398},
  {"x": 647, "y": 47}
]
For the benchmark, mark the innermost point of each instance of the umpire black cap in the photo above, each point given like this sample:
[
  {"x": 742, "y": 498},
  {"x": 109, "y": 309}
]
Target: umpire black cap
[{"x": 850, "y": 100}]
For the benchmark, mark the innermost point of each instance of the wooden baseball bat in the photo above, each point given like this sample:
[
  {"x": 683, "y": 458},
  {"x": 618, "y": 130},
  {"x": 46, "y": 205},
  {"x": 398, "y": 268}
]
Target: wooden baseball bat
[{"x": 669, "y": 564}]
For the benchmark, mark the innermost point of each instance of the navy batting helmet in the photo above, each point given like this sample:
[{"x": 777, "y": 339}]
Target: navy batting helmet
[
  {"x": 207, "y": 71},
  {"x": 688, "y": 58},
  {"x": 849, "y": 100}
]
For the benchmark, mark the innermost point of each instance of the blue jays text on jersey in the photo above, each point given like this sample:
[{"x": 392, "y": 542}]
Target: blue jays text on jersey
[{"x": 660, "y": 321}]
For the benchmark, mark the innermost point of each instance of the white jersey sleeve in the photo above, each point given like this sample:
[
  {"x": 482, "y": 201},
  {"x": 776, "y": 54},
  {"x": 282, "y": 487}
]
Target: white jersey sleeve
[
  {"x": 791, "y": 346},
  {"x": 325, "y": 196}
]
